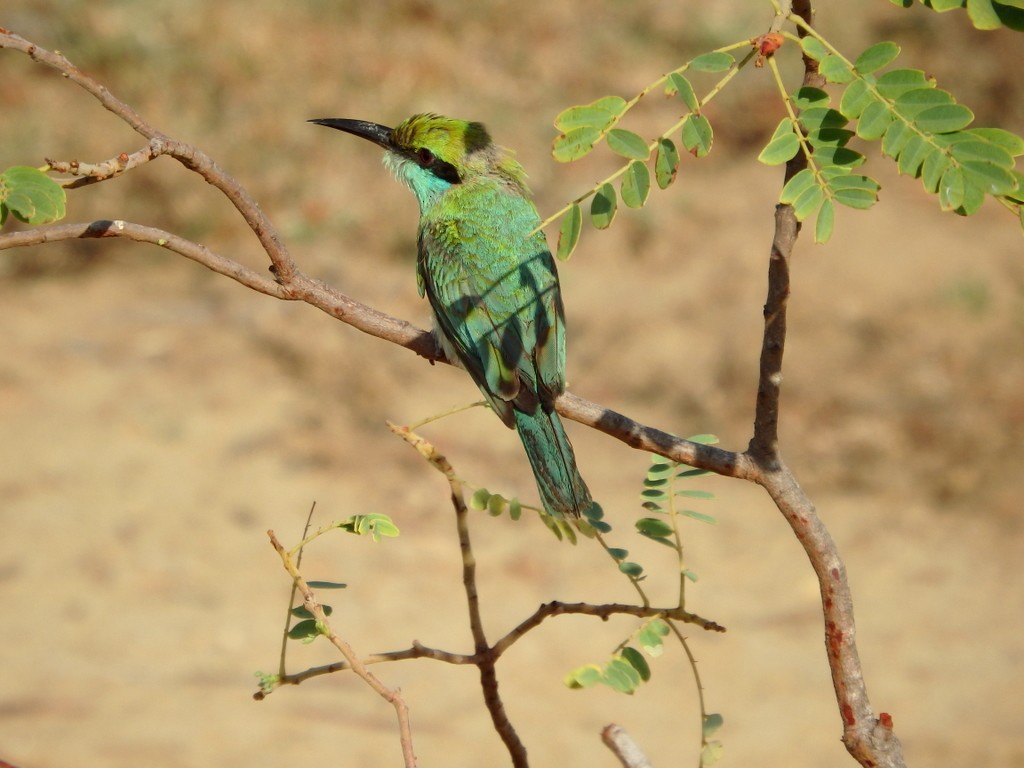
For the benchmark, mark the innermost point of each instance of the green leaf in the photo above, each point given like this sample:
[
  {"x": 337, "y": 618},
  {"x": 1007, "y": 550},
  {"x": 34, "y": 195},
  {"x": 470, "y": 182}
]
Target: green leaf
[
  {"x": 814, "y": 48},
  {"x": 697, "y": 135},
  {"x": 631, "y": 569},
  {"x": 974, "y": 196},
  {"x": 693, "y": 493},
  {"x": 912, "y": 103},
  {"x": 666, "y": 162},
  {"x": 712, "y": 722},
  {"x": 825, "y": 222},
  {"x": 935, "y": 165},
  {"x": 877, "y": 56},
  {"x": 715, "y": 61},
  {"x": 988, "y": 177},
  {"x": 829, "y": 137},
  {"x": 709, "y": 519},
  {"x": 618, "y": 553},
  {"x": 835, "y": 70},
  {"x": 873, "y": 121},
  {"x": 307, "y": 631},
  {"x": 856, "y": 98},
  {"x": 693, "y": 472},
  {"x": 660, "y": 470},
  {"x": 636, "y": 185},
  {"x": 479, "y": 499},
  {"x": 896, "y": 137},
  {"x": 649, "y": 638},
  {"x": 1011, "y": 142},
  {"x": 584, "y": 677},
  {"x": 983, "y": 152},
  {"x": 808, "y": 202},
  {"x": 783, "y": 146},
  {"x": 31, "y": 195},
  {"x": 598, "y": 114},
  {"x": 822, "y": 118},
  {"x": 621, "y": 676},
  {"x": 853, "y": 197},
  {"x": 374, "y": 524},
  {"x": 681, "y": 86},
  {"x": 496, "y": 505},
  {"x": 711, "y": 752},
  {"x": 326, "y": 585},
  {"x": 574, "y": 144},
  {"x": 898, "y": 81},
  {"x": 913, "y": 154},
  {"x": 302, "y": 612},
  {"x": 983, "y": 15},
  {"x": 838, "y": 155},
  {"x": 944, "y": 119},
  {"x": 951, "y": 189},
  {"x": 808, "y": 97},
  {"x": 637, "y": 661},
  {"x": 603, "y": 207},
  {"x": 569, "y": 233},
  {"x": 654, "y": 528},
  {"x": 796, "y": 186},
  {"x": 628, "y": 144}
]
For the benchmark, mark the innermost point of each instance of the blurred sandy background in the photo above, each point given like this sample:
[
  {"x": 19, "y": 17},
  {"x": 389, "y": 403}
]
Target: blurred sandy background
[{"x": 158, "y": 419}]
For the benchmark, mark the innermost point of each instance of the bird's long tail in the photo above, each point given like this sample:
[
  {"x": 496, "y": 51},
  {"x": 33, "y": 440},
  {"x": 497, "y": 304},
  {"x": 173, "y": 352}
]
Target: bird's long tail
[{"x": 561, "y": 487}]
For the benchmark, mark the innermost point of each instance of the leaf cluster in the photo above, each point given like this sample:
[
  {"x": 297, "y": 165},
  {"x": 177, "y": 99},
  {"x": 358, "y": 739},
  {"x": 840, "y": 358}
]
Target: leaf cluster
[
  {"x": 583, "y": 127},
  {"x": 919, "y": 126},
  {"x": 496, "y": 505},
  {"x": 627, "y": 668},
  {"x": 984, "y": 14}
]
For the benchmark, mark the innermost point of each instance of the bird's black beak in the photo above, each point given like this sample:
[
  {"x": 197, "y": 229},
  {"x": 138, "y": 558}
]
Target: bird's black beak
[{"x": 378, "y": 134}]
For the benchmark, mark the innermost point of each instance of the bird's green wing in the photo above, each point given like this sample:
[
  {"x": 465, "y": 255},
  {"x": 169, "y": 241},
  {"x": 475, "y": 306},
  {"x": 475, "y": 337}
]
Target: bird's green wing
[{"x": 494, "y": 292}]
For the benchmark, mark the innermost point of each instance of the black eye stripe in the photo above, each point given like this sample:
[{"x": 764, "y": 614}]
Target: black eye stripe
[{"x": 431, "y": 162}]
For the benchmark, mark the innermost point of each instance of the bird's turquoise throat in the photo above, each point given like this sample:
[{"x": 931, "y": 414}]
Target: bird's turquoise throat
[{"x": 492, "y": 284}]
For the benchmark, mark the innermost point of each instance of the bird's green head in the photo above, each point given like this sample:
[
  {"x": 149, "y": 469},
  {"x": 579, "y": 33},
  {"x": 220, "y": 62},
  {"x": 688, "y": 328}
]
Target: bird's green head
[{"x": 432, "y": 153}]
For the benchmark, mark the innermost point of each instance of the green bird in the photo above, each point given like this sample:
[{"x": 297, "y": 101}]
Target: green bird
[{"x": 491, "y": 282}]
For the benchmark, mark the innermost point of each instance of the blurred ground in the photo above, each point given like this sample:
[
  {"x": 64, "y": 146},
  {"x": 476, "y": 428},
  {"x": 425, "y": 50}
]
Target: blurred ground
[{"x": 158, "y": 419}]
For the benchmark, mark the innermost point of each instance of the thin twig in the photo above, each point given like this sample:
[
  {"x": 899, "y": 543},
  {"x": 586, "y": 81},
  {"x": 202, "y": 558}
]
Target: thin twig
[
  {"x": 603, "y": 611},
  {"x": 391, "y": 695}
]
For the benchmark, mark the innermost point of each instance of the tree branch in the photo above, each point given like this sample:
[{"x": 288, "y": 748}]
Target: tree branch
[{"x": 869, "y": 739}]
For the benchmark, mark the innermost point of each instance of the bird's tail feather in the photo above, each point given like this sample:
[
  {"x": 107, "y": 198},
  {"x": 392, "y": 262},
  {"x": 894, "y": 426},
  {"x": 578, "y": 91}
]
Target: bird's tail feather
[{"x": 562, "y": 489}]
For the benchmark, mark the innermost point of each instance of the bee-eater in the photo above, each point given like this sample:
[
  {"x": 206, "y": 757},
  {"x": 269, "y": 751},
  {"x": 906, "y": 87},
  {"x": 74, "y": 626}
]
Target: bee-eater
[{"x": 491, "y": 282}]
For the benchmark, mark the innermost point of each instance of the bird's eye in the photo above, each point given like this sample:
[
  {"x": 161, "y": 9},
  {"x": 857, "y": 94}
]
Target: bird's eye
[{"x": 425, "y": 156}]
